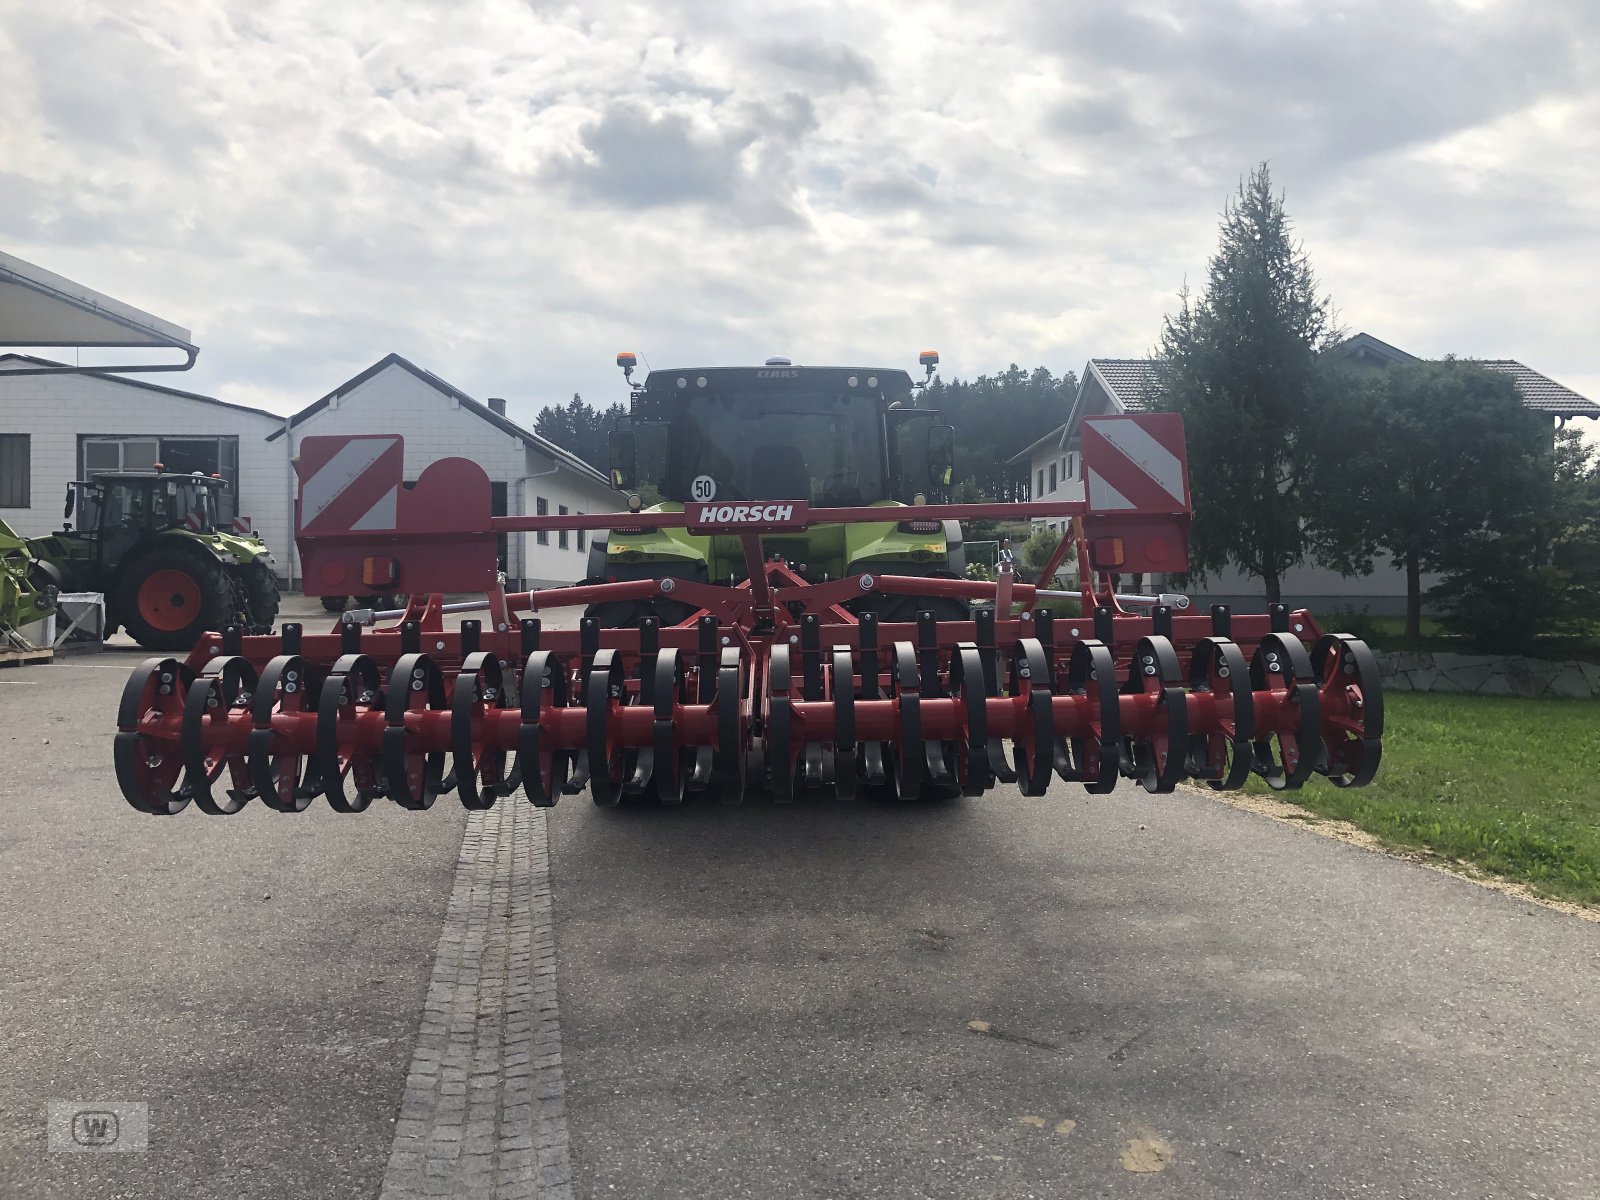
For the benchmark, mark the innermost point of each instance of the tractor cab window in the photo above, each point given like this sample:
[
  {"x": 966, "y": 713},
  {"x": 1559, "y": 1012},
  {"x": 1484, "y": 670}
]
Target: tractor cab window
[
  {"x": 192, "y": 506},
  {"x": 820, "y": 447}
]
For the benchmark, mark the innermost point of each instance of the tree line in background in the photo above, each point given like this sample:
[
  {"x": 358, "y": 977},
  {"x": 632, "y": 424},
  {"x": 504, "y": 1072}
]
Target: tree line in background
[{"x": 1436, "y": 467}]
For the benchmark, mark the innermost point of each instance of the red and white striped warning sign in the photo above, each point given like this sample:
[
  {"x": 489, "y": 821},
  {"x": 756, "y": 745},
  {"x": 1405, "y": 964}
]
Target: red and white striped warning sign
[
  {"x": 193, "y": 521},
  {"x": 242, "y": 526},
  {"x": 350, "y": 483},
  {"x": 1135, "y": 463}
]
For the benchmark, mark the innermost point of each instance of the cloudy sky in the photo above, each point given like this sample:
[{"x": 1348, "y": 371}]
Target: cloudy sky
[{"x": 509, "y": 191}]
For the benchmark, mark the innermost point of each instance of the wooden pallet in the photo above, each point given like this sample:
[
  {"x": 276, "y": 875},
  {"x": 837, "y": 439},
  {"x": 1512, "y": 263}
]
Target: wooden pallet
[{"x": 23, "y": 658}]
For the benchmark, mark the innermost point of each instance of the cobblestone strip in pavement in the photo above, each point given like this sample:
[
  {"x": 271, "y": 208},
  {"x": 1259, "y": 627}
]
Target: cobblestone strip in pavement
[{"x": 483, "y": 1113}]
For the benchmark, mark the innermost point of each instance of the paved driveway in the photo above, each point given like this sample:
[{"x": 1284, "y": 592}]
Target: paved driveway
[{"x": 1065, "y": 996}]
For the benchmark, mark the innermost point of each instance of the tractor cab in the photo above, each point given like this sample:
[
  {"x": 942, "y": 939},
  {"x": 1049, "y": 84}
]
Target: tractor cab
[
  {"x": 126, "y": 506},
  {"x": 835, "y": 437}
]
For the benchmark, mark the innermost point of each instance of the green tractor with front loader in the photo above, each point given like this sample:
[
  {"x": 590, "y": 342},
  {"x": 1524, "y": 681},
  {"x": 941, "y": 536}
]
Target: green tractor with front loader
[
  {"x": 159, "y": 547},
  {"x": 835, "y": 437}
]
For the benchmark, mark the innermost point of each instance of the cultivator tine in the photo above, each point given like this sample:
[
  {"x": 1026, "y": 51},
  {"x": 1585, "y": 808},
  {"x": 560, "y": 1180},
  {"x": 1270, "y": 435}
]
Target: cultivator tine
[
  {"x": 1033, "y": 740},
  {"x": 1221, "y": 620},
  {"x": 232, "y": 640}
]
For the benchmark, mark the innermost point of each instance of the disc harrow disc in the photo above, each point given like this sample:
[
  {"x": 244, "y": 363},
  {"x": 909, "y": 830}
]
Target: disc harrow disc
[
  {"x": 414, "y": 776},
  {"x": 479, "y": 768},
  {"x": 278, "y": 770},
  {"x": 219, "y": 698},
  {"x": 607, "y": 759},
  {"x": 1155, "y": 757},
  {"x": 542, "y": 765},
  {"x": 1221, "y": 756},
  {"x": 352, "y": 689},
  {"x": 147, "y": 758},
  {"x": 1286, "y": 754},
  {"x": 1093, "y": 753},
  {"x": 1351, "y": 696},
  {"x": 1033, "y": 746}
]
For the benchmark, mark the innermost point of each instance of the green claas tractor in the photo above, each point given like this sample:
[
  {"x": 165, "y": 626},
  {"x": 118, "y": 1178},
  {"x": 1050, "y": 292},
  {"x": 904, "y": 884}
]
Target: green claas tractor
[
  {"x": 170, "y": 566},
  {"x": 836, "y": 437}
]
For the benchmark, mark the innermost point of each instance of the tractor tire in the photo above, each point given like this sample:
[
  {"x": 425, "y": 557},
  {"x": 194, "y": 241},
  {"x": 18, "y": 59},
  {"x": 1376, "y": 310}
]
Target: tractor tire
[
  {"x": 169, "y": 597},
  {"x": 333, "y": 604},
  {"x": 261, "y": 596}
]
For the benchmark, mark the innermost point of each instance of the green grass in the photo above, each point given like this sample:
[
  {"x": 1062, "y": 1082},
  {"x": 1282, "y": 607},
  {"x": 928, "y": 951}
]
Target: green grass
[{"x": 1506, "y": 784}]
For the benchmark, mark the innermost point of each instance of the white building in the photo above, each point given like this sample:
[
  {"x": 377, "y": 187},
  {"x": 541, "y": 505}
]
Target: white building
[
  {"x": 57, "y": 428},
  {"x": 1053, "y": 474},
  {"x": 529, "y": 475}
]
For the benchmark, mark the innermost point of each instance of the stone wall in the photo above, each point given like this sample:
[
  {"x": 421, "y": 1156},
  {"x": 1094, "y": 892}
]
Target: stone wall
[{"x": 1488, "y": 675}]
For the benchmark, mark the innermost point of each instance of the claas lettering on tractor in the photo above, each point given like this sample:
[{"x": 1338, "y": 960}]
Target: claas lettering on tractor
[{"x": 756, "y": 642}]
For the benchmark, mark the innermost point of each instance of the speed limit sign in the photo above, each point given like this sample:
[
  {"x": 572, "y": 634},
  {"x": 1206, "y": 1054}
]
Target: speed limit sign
[{"x": 703, "y": 488}]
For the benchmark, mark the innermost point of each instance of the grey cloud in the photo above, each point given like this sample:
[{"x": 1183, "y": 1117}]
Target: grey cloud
[
  {"x": 1313, "y": 86},
  {"x": 825, "y": 66},
  {"x": 743, "y": 165}
]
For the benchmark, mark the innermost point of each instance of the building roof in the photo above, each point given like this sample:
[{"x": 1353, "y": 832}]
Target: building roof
[
  {"x": 1540, "y": 392},
  {"x": 33, "y": 361},
  {"x": 1131, "y": 382},
  {"x": 543, "y": 445},
  {"x": 41, "y": 308},
  {"x": 1365, "y": 346},
  {"x": 1054, "y": 436}
]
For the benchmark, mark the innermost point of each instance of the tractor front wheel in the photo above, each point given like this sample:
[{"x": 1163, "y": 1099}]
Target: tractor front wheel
[
  {"x": 261, "y": 595},
  {"x": 169, "y": 597}
]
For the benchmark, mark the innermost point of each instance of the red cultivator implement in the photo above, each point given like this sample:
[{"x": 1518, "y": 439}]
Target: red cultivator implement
[{"x": 777, "y": 682}]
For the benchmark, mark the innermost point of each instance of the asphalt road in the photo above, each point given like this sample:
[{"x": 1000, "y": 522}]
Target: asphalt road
[{"x": 781, "y": 1002}]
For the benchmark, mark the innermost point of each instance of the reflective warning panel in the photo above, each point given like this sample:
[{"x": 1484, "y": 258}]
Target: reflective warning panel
[
  {"x": 1136, "y": 483},
  {"x": 361, "y": 529},
  {"x": 1135, "y": 463}
]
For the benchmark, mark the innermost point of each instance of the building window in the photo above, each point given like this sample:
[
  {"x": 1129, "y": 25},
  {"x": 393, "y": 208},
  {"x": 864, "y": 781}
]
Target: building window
[
  {"x": 180, "y": 455},
  {"x": 1041, "y": 482},
  {"x": 16, "y": 470},
  {"x": 1052, "y": 476},
  {"x": 1072, "y": 464},
  {"x": 541, "y": 508},
  {"x": 581, "y": 535},
  {"x": 563, "y": 535}
]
